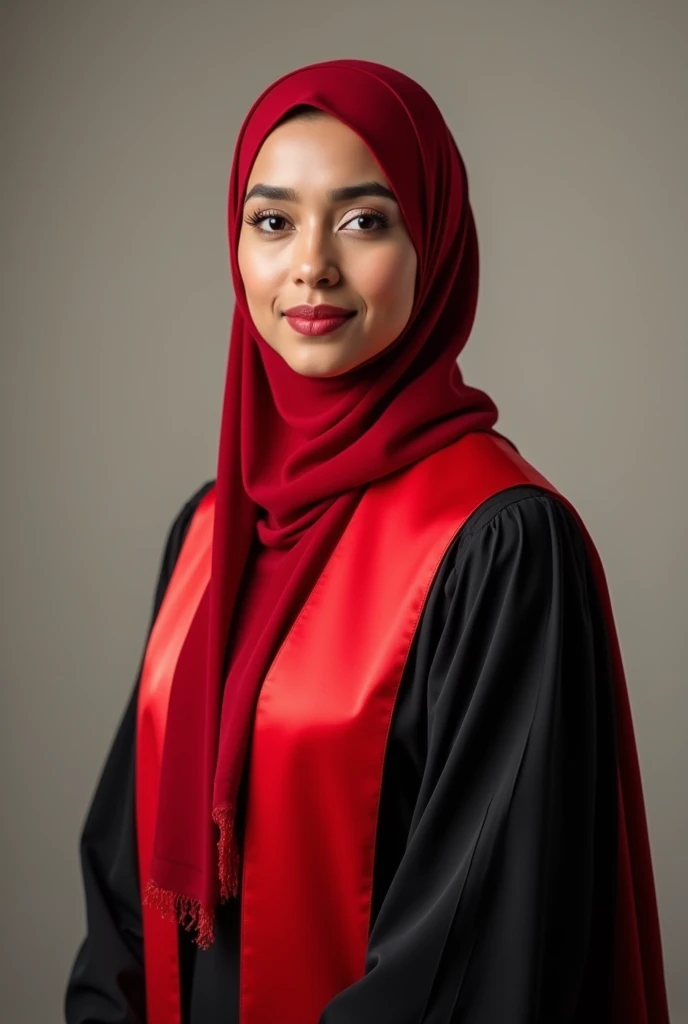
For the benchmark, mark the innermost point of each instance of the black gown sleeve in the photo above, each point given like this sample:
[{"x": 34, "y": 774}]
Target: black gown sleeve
[
  {"x": 106, "y": 984},
  {"x": 501, "y": 897}
]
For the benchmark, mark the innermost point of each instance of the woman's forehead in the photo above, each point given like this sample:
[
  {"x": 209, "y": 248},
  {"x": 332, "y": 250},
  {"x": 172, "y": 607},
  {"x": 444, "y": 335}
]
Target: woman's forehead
[{"x": 318, "y": 154}]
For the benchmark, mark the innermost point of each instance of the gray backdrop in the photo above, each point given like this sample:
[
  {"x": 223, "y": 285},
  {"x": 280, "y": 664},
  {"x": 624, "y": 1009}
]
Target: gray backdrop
[{"x": 119, "y": 120}]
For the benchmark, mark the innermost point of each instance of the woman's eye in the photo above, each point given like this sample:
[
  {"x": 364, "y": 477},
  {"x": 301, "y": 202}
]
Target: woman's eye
[
  {"x": 367, "y": 222},
  {"x": 271, "y": 223},
  {"x": 267, "y": 223}
]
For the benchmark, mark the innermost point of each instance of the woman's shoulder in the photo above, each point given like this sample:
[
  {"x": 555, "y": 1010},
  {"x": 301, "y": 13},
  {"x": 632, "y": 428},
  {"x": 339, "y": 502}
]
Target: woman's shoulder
[
  {"x": 532, "y": 501},
  {"x": 178, "y": 529},
  {"x": 525, "y": 525},
  {"x": 188, "y": 509}
]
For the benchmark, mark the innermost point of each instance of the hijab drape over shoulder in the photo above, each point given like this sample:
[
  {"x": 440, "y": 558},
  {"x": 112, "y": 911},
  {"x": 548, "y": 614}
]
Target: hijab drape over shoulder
[{"x": 296, "y": 454}]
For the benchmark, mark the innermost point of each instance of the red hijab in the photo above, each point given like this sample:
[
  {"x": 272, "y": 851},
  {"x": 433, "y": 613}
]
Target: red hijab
[{"x": 296, "y": 454}]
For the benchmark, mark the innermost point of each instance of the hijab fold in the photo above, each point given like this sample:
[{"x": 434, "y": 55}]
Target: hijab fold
[{"x": 296, "y": 454}]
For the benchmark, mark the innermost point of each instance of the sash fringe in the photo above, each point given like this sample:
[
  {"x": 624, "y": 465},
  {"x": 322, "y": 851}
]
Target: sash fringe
[
  {"x": 188, "y": 913},
  {"x": 228, "y": 853}
]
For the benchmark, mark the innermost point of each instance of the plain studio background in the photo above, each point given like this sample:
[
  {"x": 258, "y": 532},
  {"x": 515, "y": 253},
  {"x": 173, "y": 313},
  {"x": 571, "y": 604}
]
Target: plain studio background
[{"x": 119, "y": 123}]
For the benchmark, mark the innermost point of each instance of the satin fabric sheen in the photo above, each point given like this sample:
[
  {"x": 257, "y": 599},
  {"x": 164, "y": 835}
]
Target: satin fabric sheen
[{"x": 295, "y": 456}]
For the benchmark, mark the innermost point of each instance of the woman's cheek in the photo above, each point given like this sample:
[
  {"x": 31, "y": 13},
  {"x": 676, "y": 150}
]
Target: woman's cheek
[
  {"x": 261, "y": 269},
  {"x": 375, "y": 278},
  {"x": 386, "y": 281}
]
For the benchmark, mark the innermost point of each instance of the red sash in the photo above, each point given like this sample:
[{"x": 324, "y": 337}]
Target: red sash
[
  {"x": 319, "y": 742},
  {"x": 182, "y": 597}
]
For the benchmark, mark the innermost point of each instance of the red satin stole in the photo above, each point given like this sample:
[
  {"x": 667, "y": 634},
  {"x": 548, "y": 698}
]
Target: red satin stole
[
  {"x": 318, "y": 749},
  {"x": 182, "y": 597}
]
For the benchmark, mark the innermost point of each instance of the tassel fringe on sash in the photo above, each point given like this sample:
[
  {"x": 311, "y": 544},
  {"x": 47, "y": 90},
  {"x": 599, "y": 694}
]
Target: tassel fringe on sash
[{"x": 190, "y": 913}]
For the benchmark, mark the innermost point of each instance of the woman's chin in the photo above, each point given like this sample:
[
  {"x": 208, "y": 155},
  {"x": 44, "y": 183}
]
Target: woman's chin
[{"x": 316, "y": 357}]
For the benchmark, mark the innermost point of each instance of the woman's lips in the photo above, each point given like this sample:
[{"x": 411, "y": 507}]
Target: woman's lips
[
  {"x": 315, "y": 320},
  {"x": 322, "y": 326}
]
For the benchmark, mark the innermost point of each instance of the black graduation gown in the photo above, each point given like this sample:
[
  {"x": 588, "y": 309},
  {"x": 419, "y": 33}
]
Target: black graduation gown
[{"x": 506, "y": 938}]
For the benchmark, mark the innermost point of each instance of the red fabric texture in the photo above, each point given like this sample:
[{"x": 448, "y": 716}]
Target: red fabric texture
[{"x": 296, "y": 454}]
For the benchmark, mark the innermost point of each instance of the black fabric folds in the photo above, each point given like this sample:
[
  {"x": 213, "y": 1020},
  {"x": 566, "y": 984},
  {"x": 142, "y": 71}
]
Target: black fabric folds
[{"x": 496, "y": 851}]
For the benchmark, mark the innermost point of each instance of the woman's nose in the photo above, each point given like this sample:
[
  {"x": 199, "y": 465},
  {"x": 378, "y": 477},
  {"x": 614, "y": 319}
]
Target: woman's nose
[{"x": 314, "y": 262}]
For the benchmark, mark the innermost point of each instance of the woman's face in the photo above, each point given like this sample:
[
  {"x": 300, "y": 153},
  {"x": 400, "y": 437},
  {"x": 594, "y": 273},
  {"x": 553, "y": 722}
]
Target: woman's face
[{"x": 321, "y": 227}]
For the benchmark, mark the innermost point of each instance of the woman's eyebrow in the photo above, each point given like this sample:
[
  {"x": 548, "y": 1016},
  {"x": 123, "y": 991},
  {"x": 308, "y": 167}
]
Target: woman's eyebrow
[
  {"x": 366, "y": 188},
  {"x": 290, "y": 195}
]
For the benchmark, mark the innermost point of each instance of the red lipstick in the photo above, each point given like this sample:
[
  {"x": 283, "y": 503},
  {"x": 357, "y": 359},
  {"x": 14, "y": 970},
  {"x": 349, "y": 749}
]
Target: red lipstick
[{"x": 313, "y": 320}]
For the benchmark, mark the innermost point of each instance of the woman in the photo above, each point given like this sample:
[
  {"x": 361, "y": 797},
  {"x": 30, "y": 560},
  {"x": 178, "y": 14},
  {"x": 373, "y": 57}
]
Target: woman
[{"x": 379, "y": 762}]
